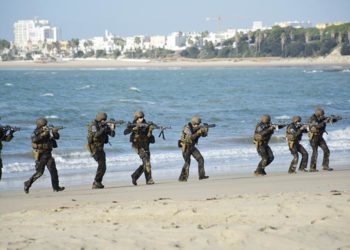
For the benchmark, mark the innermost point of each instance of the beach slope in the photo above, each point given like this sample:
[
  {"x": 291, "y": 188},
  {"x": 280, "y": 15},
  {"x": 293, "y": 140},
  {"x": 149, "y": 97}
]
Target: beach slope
[{"x": 279, "y": 211}]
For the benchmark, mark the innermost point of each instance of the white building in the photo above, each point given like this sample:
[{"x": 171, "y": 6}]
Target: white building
[
  {"x": 257, "y": 25},
  {"x": 34, "y": 31},
  {"x": 295, "y": 24},
  {"x": 176, "y": 41},
  {"x": 157, "y": 41}
]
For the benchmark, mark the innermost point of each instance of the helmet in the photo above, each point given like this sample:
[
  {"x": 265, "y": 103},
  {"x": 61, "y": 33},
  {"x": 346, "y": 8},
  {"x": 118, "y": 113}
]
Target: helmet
[
  {"x": 266, "y": 119},
  {"x": 196, "y": 120},
  {"x": 296, "y": 119},
  {"x": 101, "y": 116},
  {"x": 138, "y": 114},
  {"x": 319, "y": 112},
  {"x": 41, "y": 122}
]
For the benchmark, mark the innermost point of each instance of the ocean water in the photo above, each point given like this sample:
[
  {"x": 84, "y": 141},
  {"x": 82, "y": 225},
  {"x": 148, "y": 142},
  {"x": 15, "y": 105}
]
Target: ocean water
[{"x": 234, "y": 99}]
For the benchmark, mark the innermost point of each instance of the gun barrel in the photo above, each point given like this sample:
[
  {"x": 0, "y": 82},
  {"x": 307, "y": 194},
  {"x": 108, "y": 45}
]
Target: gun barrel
[{"x": 213, "y": 125}]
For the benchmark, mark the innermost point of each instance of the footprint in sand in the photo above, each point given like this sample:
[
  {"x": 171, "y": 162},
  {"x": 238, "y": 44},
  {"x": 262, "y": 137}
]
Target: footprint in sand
[{"x": 267, "y": 228}]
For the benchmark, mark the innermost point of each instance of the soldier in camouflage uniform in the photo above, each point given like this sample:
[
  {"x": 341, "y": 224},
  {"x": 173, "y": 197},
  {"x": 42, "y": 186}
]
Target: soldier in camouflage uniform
[
  {"x": 43, "y": 141},
  {"x": 141, "y": 137},
  {"x": 294, "y": 135},
  {"x": 262, "y": 136},
  {"x": 5, "y": 135},
  {"x": 98, "y": 135},
  {"x": 190, "y": 136},
  {"x": 318, "y": 123}
]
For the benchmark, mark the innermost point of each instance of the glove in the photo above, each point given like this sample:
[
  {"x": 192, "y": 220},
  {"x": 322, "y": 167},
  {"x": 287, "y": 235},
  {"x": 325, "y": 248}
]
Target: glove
[
  {"x": 44, "y": 133},
  {"x": 204, "y": 130},
  {"x": 112, "y": 126},
  {"x": 55, "y": 130}
]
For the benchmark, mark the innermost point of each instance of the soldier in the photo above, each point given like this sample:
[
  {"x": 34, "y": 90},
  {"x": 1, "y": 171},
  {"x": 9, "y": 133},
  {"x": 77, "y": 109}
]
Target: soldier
[
  {"x": 43, "y": 141},
  {"x": 263, "y": 132},
  {"x": 141, "y": 137},
  {"x": 190, "y": 136},
  {"x": 98, "y": 135},
  {"x": 318, "y": 123},
  {"x": 294, "y": 135},
  {"x": 5, "y": 135}
]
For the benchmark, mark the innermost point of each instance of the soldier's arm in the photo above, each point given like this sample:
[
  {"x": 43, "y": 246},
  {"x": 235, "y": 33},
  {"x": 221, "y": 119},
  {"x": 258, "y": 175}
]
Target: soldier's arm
[
  {"x": 111, "y": 132},
  {"x": 9, "y": 136},
  {"x": 37, "y": 136},
  {"x": 264, "y": 130},
  {"x": 99, "y": 132}
]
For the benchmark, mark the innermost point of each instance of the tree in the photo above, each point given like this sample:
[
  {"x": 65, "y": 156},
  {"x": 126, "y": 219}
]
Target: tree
[
  {"x": 137, "y": 40},
  {"x": 208, "y": 51},
  {"x": 191, "y": 52},
  {"x": 4, "y": 44},
  {"x": 345, "y": 50},
  {"x": 100, "y": 53}
]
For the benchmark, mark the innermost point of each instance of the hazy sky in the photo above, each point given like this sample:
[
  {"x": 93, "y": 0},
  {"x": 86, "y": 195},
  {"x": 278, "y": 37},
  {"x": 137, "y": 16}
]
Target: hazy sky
[{"x": 88, "y": 18}]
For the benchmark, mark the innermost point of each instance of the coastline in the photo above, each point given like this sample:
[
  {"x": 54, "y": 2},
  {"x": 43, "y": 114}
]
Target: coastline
[
  {"x": 329, "y": 61},
  {"x": 233, "y": 211}
]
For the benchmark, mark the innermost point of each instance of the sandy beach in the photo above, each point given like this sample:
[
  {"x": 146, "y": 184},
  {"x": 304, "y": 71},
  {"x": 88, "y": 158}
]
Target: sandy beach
[
  {"x": 331, "y": 60},
  {"x": 302, "y": 211}
]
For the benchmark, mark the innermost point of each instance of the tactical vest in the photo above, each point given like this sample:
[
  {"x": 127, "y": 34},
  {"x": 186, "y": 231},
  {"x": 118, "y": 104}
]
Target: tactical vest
[
  {"x": 92, "y": 140},
  {"x": 142, "y": 137},
  {"x": 46, "y": 144},
  {"x": 259, "y": 138},
  {"x": 314, "y": 130},
  {"x": 186, "y": 139}
]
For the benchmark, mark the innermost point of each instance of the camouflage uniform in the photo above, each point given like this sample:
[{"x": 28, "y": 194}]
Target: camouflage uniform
[
  {"x": 4, "y": 136},
  {"x": 318, "y": 126},
  {"x": 294, "y": 135},
  {"x": 188, "y": 141},
  {"x": 43, "y": 141},
  {"x": 262, "y": 136},
  {"x": 141, "y": 137},
  {"x": 98, "y": 135}
]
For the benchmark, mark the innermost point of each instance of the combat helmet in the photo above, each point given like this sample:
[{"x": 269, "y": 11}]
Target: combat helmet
[
  {"x": 41, "y": 122},
  {"x": 266, "y": 119},
  {"x": 138, "y": 114},
  {"x": 101, "y": 116},
  {"x": 196, "y": 120},
  {"x": 296, "y": 119},
  {"x": 319, "y": 112}
]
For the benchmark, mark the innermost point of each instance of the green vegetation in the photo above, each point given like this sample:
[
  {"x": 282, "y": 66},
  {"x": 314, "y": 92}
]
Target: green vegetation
[
  {"x": 153, "y": 53},
  {"x": 278, "y": 42}
]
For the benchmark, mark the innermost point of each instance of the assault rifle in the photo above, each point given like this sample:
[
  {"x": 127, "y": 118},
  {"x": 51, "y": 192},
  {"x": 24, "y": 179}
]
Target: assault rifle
[
  {"x": 51, "y": 127},
  {"x": 9, "y": 128},
  {"x": 333, "y": 118},
  {"x": 115, "y": 122},
  {"x": 206, "y": 125},
  {"x": 278, "y": 126},
  {"x": 152, "y": 125}
]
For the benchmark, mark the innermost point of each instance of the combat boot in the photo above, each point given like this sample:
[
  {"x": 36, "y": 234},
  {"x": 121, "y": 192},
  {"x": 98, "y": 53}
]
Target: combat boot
[
  {"x": 59, "y": 189},
  {"x": 259, "y": 172},
  {"x": 97, "y": 185},
  {"x": 292, "y": 171},
  {"x": 203, "y": 177},
  {"x": 313, "y": 170},
  {"x": 150, "y": 182},
  {"x": 303, "y": 170},
  {"x": 26, "y": 187},
  {"x": 327, "y": 169},
  {"x": 134, "y": 179}
]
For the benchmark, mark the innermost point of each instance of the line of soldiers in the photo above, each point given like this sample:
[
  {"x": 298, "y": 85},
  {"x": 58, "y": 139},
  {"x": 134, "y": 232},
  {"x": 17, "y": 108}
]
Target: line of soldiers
[
  {"x": 44, "y": 140},
  {"x": 315, "y": 128}
]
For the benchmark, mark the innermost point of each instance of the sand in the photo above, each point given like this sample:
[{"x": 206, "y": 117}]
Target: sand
[
  {"x": 331, "y": 60},
  {"x": 278, "y": 211}
]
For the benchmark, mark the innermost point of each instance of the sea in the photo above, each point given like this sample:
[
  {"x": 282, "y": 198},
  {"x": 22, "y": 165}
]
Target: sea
[{"x": 232, "y": 98}]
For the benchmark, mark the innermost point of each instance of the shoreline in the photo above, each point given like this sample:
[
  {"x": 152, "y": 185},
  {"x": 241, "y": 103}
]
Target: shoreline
[
  {"x": 329, "y": 61},
  {"x": 303, "y": 211}
]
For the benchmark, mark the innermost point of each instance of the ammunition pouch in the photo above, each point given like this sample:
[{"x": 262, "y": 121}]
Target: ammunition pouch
[
  {"x": 90, "y": 148},
  {"x": 37, "y": 154},
  {"x": 53, "y": 143},
  {"x": 291, "y": 144},
  {"x": 314, "y": 130},
  {"x": 179, "y": 144},
  {"x": 42, "y": 147},
  {"x": 258, "y": 137},
  {"x": 291, "y": 137}
]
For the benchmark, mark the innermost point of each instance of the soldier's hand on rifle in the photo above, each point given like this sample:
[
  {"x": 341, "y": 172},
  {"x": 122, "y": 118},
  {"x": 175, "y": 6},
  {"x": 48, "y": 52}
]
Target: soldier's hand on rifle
[
  {"x": 204, "y": 130},
  {"x": 112, "y": 126},
  {"x": 45, "y": 131},
  {"x": 55, "y": 130}
]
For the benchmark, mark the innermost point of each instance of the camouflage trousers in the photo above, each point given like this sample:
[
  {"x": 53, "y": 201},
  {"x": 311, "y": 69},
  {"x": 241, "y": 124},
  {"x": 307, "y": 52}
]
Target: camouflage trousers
[
  {"x": 315, "y": 143},
  {"x": 145, "y": 167},
  {"x": 45, "y": 159},
  {"x": 296, "y": 148},
  {"x": 100, "y": 158},
  {"x": 0, "y": 167},
  {"x": 266, "y": 155},
  {"x": 192, "y": 151}
]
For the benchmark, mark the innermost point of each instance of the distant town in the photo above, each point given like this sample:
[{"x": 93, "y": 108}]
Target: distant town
[{"x": 39, "y": 41}]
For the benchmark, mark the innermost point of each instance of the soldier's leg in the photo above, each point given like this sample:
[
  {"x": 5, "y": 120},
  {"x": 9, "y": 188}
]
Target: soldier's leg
[
  {"x": 314, "y": 146},
  {"x": 199, "y": 158},
  {"x": 264, "y": 159},
  {"x": 326, "y": 153},
  {"x": 304, "y": 158},
  {"x": 0, "y": 168},
  {"x": 186, "y": 167},
  {"x": 100, "y": 157},
  {"x": 147, "y": 168},
  {"x": 40, "y": 168},
  {"x": 271, "y": 157},
  {"x": 294, "y": 162},
  {"x": 51, "y": 166}
]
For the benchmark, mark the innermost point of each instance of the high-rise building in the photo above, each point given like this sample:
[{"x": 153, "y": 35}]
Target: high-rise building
[{"x": 34, "y": 32}]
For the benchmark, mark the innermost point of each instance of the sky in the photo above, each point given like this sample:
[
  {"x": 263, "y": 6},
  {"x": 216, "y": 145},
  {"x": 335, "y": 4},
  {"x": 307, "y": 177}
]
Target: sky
[{"x": 89, "y": 18}]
